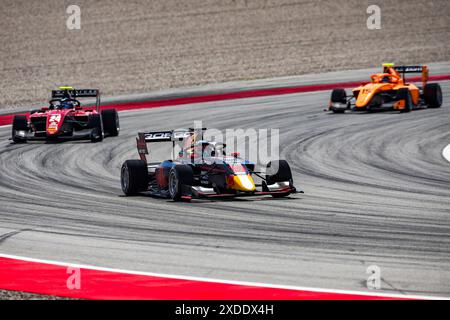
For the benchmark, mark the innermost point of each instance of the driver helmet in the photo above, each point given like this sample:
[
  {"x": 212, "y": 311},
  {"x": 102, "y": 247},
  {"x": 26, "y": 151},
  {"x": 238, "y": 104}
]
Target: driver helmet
[
  {"x": 66, "y": 104},
  {"x": 208, "y": 149},
  {"x": 197, "y": 148},
  {"x": 200, "y": 147}
]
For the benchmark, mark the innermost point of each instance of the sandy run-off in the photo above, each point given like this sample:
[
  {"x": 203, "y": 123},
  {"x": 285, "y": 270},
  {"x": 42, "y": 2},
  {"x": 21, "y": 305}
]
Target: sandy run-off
[{"x": 140, "y": 46}]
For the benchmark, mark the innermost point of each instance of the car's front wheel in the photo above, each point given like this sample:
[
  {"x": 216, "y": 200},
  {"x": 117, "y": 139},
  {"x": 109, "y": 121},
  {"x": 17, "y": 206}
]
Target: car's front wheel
[
  {"x": 279, "y": 171},
  {"x": 180, "y": 181},
  {"x": 338, "y": 96},
  {"x": 19, "y": 125},
  {"x": 95, "y": 123},
  {"x": 406, "y": 95}
]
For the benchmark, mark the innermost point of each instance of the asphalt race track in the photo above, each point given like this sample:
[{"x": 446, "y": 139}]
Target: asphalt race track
[{"x": 377, "y": 192}]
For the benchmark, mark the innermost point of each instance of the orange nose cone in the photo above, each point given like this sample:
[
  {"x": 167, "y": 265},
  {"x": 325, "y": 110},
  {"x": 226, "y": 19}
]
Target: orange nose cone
[{"x": 243, "y": 182}]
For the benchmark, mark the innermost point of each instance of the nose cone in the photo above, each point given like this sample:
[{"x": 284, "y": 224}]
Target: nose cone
[
  {"x": 364, "y": 97},
  {"x": 243, "y": 182},
  {"x": 54, "y": 122}
]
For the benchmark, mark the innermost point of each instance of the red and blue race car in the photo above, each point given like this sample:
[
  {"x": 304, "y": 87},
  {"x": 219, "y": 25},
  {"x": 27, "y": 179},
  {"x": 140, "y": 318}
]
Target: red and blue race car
[
  {"x": 65, "y": 118},
  {"x": 201, "y": 169}
]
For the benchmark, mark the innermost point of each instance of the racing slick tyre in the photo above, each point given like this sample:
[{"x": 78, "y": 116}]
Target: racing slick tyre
[
  {"x": 278, "y": 171},
  {"x": 95, "y": 123},
  {"x": 20, "y": 123},
  {"x": 181, "y": 178},
  {"x": 406, "y": 95},
  {"x": 110, "y": 119},
  {"x": 433, "y": 95},
  {"x": 375, "y": 103},
  {"x": 134, "y": 177},
  {"x": 338, "y": 95}
]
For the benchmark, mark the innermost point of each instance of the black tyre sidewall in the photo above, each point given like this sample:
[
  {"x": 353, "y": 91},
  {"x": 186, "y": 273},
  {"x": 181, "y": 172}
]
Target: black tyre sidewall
[
  {"x": 433, "y": 95},
  {"x": 283, "y": 174},
  {"x": 374, "y": 103},
  {"x": 20, "y": 123},
  {"x": 95, "y": 123},
  {"x": 134, "y": 177},
  {"x": 179, "y": 176},
  {"x": 339, "y": 95},
  {"x": 406, "y": 95},
  {"x": 409, "y": 102}
]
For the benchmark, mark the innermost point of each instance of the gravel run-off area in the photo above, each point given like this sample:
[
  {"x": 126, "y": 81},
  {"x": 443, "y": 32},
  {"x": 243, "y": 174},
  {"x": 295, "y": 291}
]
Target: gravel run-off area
[{"x": 139, "y": 46}]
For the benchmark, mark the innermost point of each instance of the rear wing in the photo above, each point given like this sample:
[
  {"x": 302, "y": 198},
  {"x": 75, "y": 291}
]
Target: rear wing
[
  {"x": 173, "y": 136},
  {"x": 66, "y": 92},
  {"x": 165, "y": 136},
  {"x": 408, "y": 69}
]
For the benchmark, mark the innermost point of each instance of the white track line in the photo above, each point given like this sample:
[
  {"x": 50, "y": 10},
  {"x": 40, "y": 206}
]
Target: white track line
[
  {"x": 446, "y": 153},
  {"x": 239, "y": 283}
]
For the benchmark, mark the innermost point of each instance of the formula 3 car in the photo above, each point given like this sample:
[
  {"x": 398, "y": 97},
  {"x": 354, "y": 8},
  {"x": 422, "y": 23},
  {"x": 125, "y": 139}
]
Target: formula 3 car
[
  {"x": 201, "y": 170},
  {"x": 65, "y": 118},
  {"x": 389, "y": 90}
]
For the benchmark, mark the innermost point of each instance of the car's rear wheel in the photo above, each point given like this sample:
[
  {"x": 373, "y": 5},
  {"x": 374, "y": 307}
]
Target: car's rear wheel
[
  {"x": 180, "y": 180},
  {"x": 134, "y": 177},
  {"x": 20, "y": 123},
  {"x": 433, "y": 95},
  {"x": 95, "y": 123},
  {"x": 110, "y": 118}
]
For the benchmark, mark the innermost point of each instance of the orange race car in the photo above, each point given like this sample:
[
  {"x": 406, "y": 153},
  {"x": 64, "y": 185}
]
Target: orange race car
[{"x": 389, "y": 91}]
